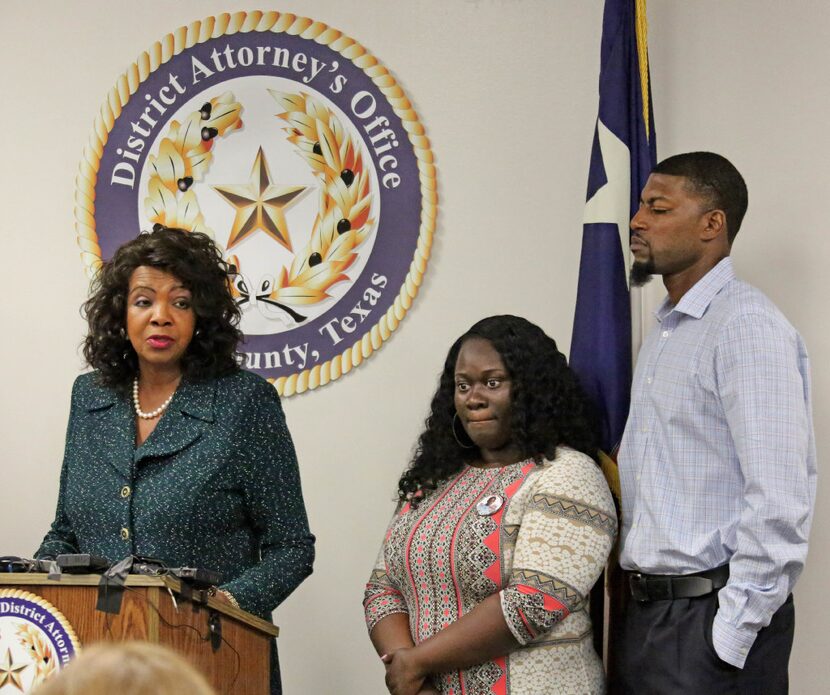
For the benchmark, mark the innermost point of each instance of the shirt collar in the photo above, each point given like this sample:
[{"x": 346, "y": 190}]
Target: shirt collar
[{"x": 696, "y": 301}]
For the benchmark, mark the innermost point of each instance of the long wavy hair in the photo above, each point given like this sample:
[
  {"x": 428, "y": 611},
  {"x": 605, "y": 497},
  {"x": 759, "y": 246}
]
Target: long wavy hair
[
  {"x": 548, "y": 406},
  {"x": 194, "y": 260}
]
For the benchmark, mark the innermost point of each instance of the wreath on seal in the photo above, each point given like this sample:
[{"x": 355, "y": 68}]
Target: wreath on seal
[
  {"x": 38, "y": 648},
  {"x": 343, "y": 219},
  {"x": 184, "y": 156}
]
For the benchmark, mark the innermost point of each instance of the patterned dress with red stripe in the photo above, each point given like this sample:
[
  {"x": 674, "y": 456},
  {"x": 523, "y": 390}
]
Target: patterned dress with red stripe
[{"x": 541, "y": 550}]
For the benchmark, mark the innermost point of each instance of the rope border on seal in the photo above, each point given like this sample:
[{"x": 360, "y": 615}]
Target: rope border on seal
[
  {"x": 71, "y": 635},
  {"x": 276, "y": 22}
]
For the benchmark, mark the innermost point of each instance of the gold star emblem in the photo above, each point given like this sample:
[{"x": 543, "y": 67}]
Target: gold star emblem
[
  {"x": 10, "y": 673},
  {"x": 260, "y": 204}
]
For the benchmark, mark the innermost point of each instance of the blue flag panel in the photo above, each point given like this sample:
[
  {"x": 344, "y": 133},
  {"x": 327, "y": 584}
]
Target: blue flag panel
[{"x": 622, "y": 156}]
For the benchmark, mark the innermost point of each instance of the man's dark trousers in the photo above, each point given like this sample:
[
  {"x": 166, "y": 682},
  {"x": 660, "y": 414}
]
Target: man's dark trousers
[{"x": 667, "y": 649}]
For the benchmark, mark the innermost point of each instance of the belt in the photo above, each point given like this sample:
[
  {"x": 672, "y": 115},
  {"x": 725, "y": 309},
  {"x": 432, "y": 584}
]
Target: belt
[{"x": 662, "y": 587}]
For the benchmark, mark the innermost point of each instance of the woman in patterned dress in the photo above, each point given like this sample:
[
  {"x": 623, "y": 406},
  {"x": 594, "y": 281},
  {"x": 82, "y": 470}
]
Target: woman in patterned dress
[{"x": 504, "y": 524}]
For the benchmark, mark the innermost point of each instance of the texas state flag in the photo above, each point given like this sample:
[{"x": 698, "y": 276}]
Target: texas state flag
[{"x": 622, "y": 156}]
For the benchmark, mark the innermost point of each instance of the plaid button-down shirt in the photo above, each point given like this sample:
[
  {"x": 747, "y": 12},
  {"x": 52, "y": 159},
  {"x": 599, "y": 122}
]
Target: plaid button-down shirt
[{"x": 718, "y": 461}]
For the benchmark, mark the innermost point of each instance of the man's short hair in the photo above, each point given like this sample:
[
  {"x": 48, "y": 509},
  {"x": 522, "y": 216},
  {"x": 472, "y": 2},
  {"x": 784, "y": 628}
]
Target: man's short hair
[{"x": 715, "y": 179}]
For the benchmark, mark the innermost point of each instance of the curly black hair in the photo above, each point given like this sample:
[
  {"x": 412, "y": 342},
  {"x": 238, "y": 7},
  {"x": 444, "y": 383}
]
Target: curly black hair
[
  {"x": 196, "y": 261},
  {"x": 548, "y": 406}
]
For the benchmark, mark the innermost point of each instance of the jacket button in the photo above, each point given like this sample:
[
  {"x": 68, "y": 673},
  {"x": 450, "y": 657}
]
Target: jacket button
[
  {"x": 125, "y": 491},
  {"x": 125, "y": 534}
]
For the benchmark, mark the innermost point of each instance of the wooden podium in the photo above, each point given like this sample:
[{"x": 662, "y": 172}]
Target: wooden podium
[{"x": 149, "y": 611}]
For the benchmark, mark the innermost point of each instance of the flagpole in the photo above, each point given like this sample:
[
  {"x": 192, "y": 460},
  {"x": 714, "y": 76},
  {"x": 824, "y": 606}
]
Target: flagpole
[
  {"x": 638, "y": 313},
  {"x": 638, "y": 299},
  {"x": 609, "y": 318}
]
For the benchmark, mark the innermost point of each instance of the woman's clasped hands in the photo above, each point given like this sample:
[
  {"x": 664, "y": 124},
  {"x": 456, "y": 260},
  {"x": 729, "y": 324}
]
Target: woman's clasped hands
[{"x": 404, "y": 674}]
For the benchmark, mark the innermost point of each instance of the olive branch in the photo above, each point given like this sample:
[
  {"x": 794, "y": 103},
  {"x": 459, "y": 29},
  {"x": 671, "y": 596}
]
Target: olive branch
[
  {"x": 184, "y": 156},
  {"x": 44, "y": 660}
]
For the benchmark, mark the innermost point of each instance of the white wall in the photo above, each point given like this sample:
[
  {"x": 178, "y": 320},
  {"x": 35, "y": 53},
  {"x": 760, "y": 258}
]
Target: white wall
[{"x": 507, "y": 92}]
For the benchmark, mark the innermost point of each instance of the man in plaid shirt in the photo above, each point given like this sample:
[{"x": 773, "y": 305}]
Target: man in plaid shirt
[{"x": 717, "y": 463}]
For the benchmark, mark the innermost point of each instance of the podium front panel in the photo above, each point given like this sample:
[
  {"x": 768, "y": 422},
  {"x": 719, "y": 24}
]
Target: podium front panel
[{"x": 153, "y": 611}]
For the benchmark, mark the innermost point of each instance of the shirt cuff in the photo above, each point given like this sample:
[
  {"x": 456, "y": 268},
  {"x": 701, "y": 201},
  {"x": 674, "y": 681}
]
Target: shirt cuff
[
  {"x": 731, "y": 643},
  {"x": 522, "y": 635},
  {"x": 381, "y": 602}
]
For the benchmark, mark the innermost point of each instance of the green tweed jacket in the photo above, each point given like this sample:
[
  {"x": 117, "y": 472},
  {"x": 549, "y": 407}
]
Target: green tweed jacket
[{"x": 215, "y": 485}]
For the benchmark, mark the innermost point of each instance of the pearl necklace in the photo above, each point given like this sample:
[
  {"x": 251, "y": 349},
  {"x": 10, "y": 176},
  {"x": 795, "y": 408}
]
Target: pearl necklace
[{"x": 153, "y": 413}]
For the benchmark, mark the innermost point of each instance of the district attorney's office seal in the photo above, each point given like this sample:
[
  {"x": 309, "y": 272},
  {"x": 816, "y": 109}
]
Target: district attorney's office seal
[
  {"x": 36, "y": 640},
  {"x": 297, "y": 152}
]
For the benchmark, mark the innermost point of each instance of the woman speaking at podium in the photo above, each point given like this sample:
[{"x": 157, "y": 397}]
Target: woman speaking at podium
[{"x": 172, "y": 451}]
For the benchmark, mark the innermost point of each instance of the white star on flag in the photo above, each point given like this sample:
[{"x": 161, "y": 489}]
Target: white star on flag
[{"x": 611, "y": 203}]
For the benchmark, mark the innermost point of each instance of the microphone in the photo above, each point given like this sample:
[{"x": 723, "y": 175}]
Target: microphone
[{"x": 82, "y": 563}]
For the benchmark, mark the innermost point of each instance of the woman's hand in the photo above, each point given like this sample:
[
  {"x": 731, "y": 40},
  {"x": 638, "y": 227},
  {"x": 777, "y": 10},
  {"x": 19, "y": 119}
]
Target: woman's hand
[
  {"x": 222, "y": 597},
  {"x": 404, "y": 675}
]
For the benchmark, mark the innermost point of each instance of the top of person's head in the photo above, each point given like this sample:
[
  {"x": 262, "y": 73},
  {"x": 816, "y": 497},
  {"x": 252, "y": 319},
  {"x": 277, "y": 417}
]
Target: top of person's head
[
  {"x": 715, "y": 179},
  {"x": 197, "y": 263},
  {"x": 127, "y": 668},
  {"x": 548, "y": 406}
]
